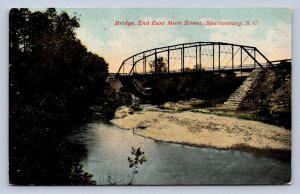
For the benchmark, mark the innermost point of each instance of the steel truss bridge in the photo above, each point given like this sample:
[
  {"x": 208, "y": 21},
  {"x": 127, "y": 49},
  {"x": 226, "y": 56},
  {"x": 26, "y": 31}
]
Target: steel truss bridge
[{"x": 196, "y": 57}]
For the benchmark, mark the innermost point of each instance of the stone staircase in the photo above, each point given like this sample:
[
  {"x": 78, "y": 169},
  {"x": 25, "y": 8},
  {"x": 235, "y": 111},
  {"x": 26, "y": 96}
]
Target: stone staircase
[{"x": 237, "y": 97}]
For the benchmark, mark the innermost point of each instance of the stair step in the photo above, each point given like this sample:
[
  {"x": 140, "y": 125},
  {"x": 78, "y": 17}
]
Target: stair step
[{"x": 240, "y": 93}]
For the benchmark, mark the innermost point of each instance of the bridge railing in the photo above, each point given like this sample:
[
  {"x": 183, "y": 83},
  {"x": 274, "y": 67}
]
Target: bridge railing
[
  {"x": 282, "y": 61},
  {"x": 117, "y": 74}
]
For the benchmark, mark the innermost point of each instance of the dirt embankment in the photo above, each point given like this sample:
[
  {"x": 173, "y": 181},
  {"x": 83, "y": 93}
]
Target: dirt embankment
[{"x": 271, "y": 96}]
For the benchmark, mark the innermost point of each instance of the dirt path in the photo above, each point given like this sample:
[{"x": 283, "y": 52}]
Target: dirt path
[{"x": 207, "y": 130}]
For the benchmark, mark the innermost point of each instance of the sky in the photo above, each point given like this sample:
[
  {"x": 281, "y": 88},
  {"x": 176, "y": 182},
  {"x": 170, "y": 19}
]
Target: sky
[{"x": 269, "y": 30}]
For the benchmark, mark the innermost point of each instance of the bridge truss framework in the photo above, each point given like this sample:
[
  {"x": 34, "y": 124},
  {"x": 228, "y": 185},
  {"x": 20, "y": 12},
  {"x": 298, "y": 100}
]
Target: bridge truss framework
[{"x": 205, "y": 56}]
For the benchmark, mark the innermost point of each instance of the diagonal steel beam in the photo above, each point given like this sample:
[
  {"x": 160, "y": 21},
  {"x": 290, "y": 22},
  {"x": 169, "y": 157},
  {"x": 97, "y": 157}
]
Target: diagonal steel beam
[
  {"x": 269, "y": 62},
  {"x": 252, "y": 56}
]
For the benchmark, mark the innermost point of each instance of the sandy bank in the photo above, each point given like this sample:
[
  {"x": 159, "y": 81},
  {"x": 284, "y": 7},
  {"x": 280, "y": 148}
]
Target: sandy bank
[{"x": 207, "y": 130}]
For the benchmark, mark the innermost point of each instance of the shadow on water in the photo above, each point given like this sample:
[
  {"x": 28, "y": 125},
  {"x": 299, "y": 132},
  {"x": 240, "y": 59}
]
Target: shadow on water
[
  {"x": 171, "y": 164},
  {"x": 87, "y": 142},
  {"x": 39, "y": 154}
]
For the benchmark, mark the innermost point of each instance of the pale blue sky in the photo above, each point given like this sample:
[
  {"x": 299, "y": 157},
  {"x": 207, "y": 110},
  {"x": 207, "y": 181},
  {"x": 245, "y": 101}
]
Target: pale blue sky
[{"x": 97, "y": 31}]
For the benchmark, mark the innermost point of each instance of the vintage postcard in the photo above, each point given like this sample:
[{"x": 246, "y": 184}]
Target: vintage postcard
[{"x": 150, "y": 96}]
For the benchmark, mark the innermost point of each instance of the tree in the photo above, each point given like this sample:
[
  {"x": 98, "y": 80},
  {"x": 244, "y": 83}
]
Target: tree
[
  {"x": 49, "y": 63},
  {"x": 158, "y": 66},
  {"x": 50, "y": 72}
]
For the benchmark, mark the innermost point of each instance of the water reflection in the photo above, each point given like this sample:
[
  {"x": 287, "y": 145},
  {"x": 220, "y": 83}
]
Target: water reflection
[{"x": 108, "y": 147}]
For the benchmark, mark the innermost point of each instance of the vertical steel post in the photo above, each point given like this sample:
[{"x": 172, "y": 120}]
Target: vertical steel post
[
  {"x": 219, "y": 58},
  {"x": 200, "y": 53},
  {"x": 241, "y": 59},
  {"x": 168, "y": 59},
  {"x": 196, "y": 58},
  {"x": 182, "y": 57},
  {"x": 232, "y": 57},
  {"x": 213, "y": 56},
  {"x": 155, "y": 70},
  {"x": 144, "y": 63}
]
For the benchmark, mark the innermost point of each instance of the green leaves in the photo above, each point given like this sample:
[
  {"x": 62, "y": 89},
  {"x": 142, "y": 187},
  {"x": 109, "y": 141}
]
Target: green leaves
[{"x": 137, "y": 158}]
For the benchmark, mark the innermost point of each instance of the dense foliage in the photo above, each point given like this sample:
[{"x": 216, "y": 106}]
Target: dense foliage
[
  {"x": 48, "y": 64},
  {"x": 50, "y": 73}
]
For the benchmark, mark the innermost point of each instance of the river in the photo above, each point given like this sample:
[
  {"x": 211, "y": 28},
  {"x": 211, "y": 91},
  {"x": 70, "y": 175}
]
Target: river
[{"x": 170, "y": 164}]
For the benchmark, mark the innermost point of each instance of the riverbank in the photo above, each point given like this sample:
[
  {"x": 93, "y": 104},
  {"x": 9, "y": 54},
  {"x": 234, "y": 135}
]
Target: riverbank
[{"x": 208, "y": 130}]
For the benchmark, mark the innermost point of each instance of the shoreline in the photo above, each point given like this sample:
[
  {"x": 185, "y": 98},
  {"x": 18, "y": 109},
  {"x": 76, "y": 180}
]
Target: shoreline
[
  {"x": 282, "y": 155},
  {"x": 210, "y": 131}
]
